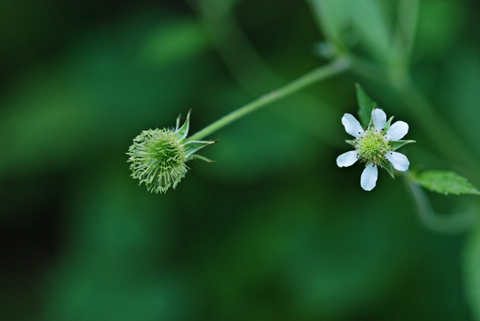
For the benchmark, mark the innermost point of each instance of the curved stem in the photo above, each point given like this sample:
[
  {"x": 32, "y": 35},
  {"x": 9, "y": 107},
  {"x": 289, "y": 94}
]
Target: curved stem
[
  {"x": 454, "y": 223},
  {"x": 322, "y": 73}
]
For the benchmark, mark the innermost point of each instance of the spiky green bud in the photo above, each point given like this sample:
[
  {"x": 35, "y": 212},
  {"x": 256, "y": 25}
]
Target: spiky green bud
[{"x": 159, "y": 156}]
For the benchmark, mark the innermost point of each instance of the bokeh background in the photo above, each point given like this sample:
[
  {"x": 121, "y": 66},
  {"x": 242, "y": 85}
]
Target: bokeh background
[{"x": 274, "y": 230}]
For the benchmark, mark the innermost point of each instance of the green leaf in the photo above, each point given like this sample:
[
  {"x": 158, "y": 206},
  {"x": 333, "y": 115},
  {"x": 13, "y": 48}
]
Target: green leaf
[
  {"x": 365, "y": 104},
  {"x": 445, "y": 182}
]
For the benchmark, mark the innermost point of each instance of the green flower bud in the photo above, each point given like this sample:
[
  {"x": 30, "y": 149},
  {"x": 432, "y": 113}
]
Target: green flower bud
[{"x": 159, "y": 156}]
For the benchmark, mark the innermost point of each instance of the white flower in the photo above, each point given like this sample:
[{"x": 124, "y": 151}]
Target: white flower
[{"x": 374, "y": 146}]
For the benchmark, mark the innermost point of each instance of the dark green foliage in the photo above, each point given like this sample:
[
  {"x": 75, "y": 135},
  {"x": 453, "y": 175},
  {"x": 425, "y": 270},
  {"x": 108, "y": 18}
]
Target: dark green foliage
[
  {"x": 445, "y": 182},
  {"x": 273, "y": 230}
]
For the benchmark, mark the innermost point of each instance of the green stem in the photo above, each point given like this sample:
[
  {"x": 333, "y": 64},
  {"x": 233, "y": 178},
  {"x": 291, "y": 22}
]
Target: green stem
[
  {"x": 452, "y": 223},
  {"x": 241, "y": 58},
  {"x": 334, "y": 68}
]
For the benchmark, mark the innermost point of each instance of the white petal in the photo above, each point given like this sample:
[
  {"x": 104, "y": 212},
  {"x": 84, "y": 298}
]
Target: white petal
[
  {"x": 379, "y": 119},
  {"x": 397, "y": 131},
  {"x": 352, "y": 126},
  {"x": 347, "y": 159},
  {"x": 369, "y": 177},
  {"x": 399, "y": 161}
]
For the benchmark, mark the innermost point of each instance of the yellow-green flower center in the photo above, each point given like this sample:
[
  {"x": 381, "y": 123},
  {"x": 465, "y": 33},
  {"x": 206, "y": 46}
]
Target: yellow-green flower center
[{"x": 372, "y": 146}]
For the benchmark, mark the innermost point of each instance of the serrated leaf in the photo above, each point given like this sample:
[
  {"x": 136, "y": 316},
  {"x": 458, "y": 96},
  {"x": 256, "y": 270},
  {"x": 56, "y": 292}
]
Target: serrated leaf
[
  {"x": 445, "y": 182},
  {"x": 365, "y": 104}
]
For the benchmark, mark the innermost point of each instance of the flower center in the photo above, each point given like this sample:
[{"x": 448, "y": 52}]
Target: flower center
[{"x": 372, "y": 146}]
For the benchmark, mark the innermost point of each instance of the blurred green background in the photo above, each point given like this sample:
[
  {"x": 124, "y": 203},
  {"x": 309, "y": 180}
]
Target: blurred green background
[{"x": 274, "y": 230}]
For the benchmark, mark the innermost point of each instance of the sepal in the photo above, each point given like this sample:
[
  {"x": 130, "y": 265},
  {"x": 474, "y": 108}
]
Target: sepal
[
  {"x": 350, "y": 142},
  {"x": 399, "y": 143},
  {"x": 193, "y": 146},
  {"x": 182, "y": 132},
  {"x": 388, "y": 166},
  {"x": 203, "y": 158},
  {"x": 388, "y": 124}
]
